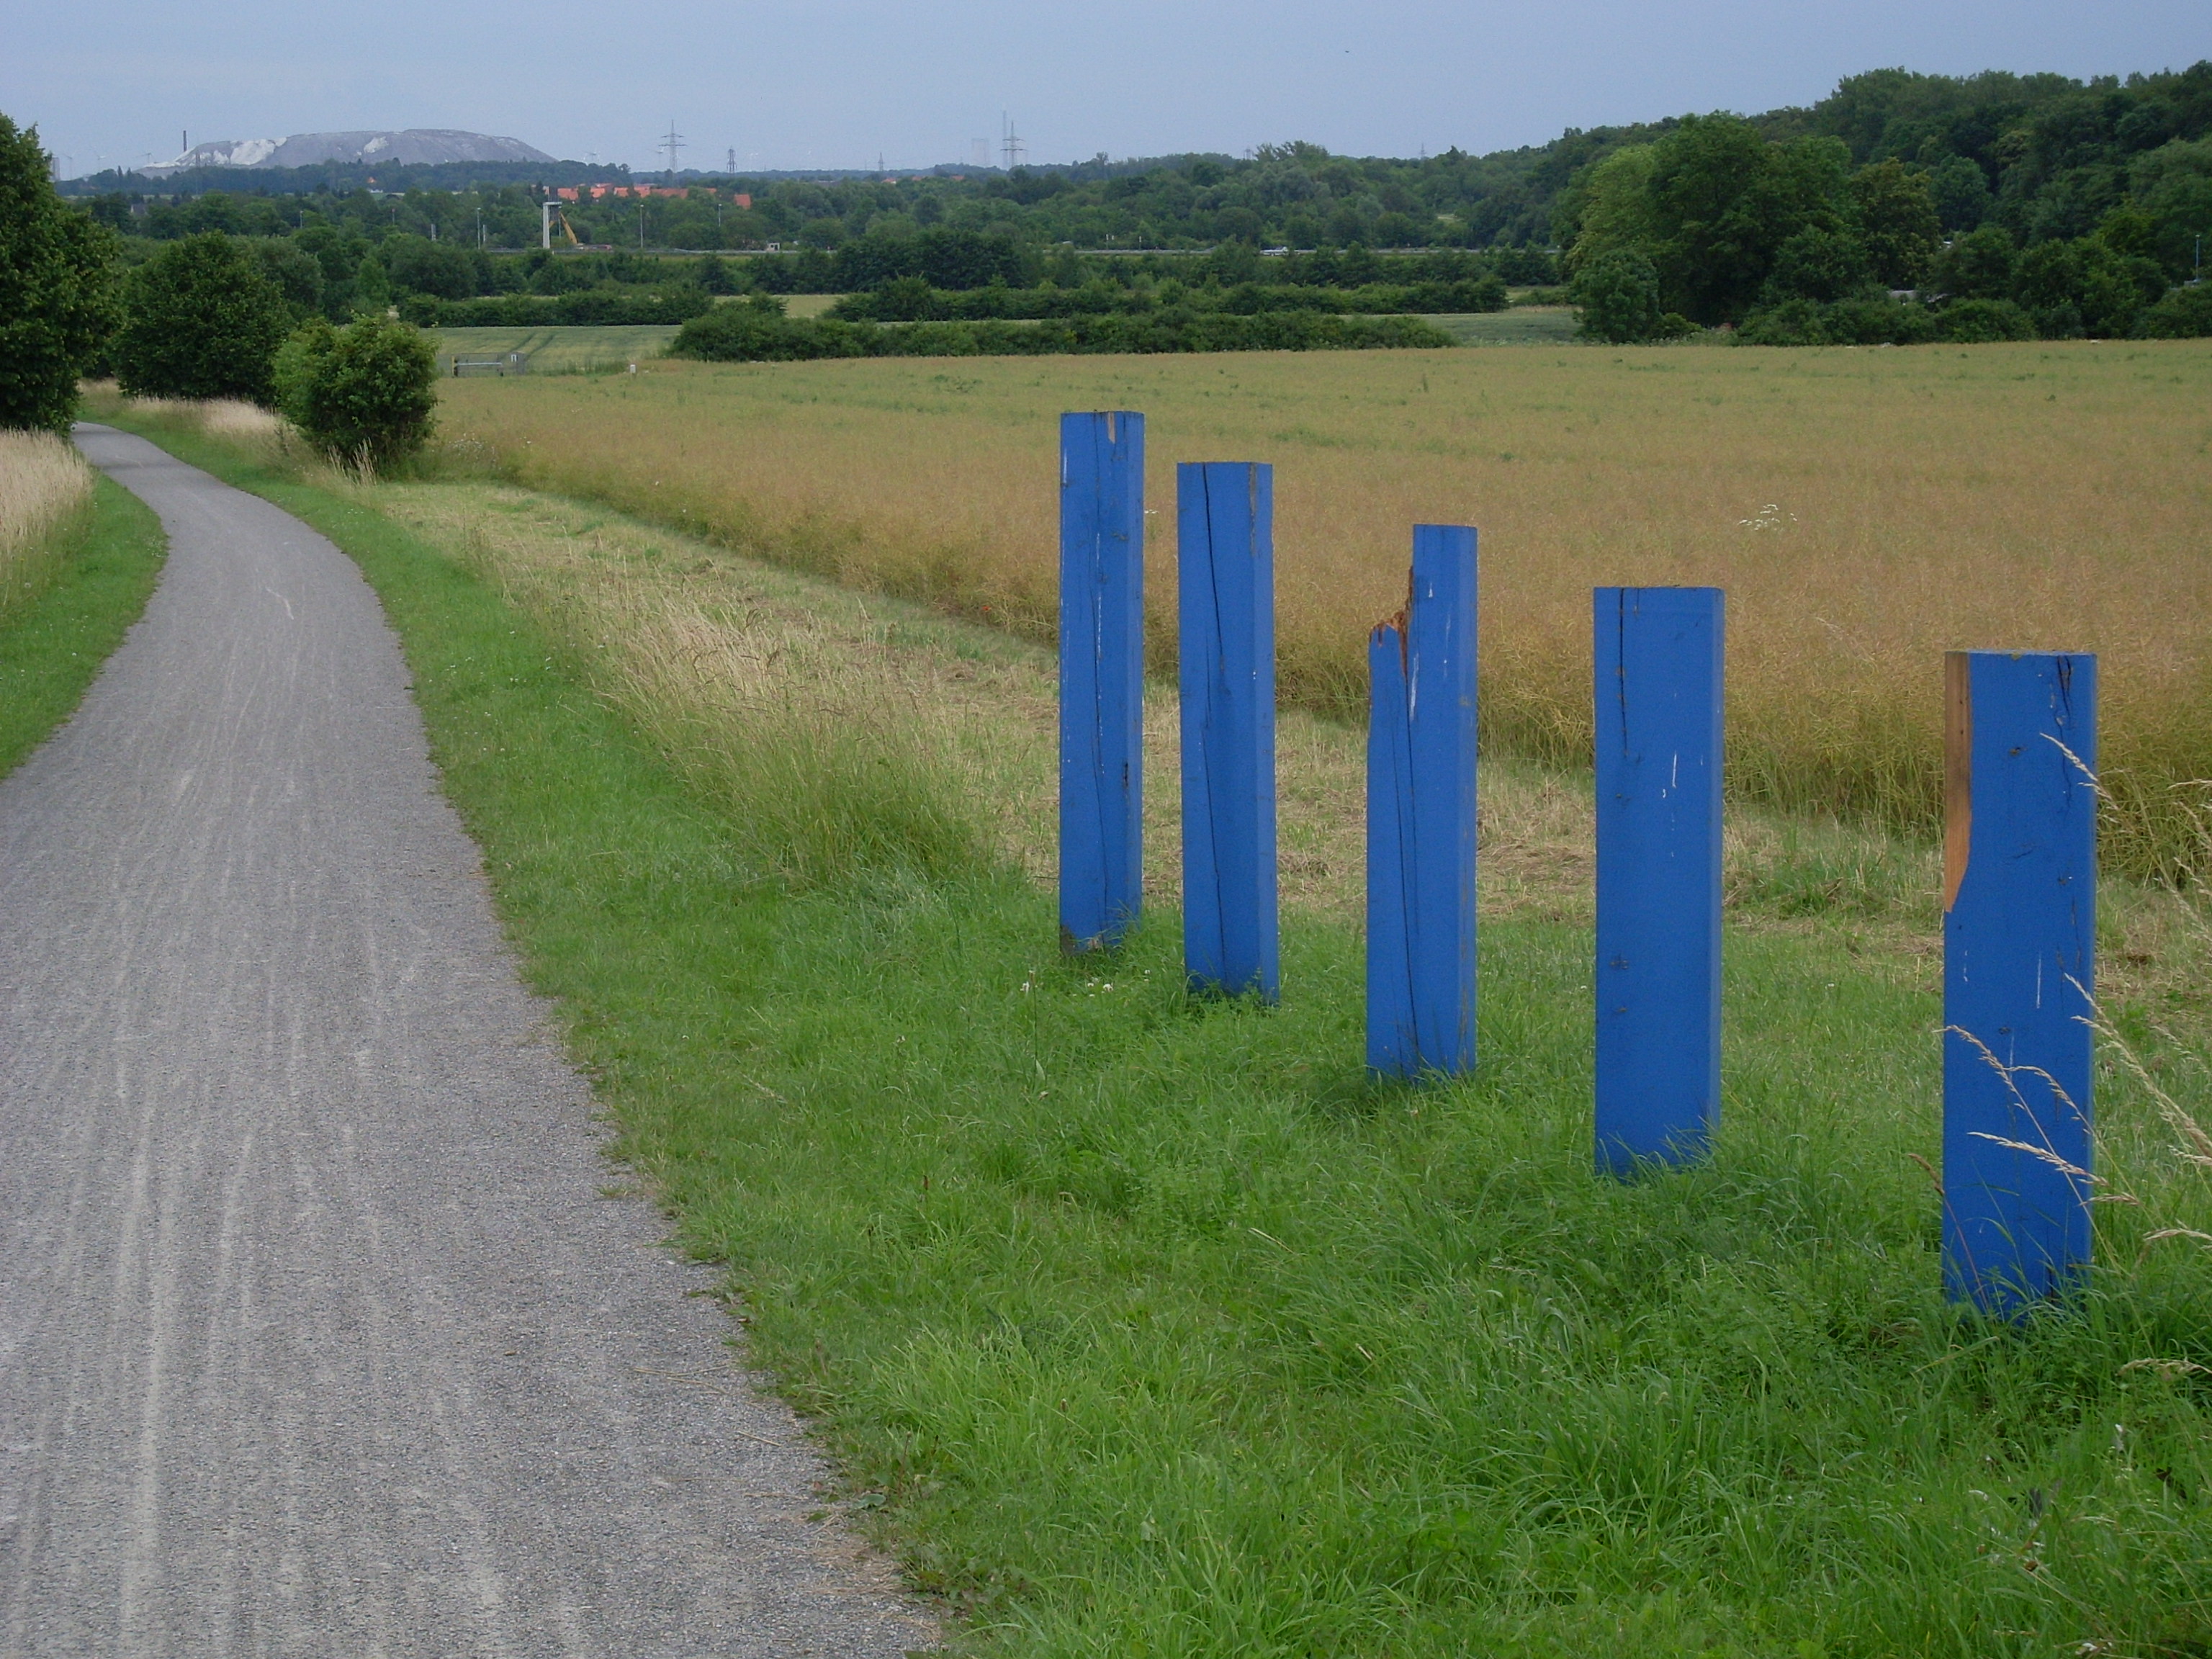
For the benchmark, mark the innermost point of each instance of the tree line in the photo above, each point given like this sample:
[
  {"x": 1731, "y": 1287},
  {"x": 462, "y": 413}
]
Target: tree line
[
  {"x": 2045, "y": 156},
  {"x": 210, "y": 316}
]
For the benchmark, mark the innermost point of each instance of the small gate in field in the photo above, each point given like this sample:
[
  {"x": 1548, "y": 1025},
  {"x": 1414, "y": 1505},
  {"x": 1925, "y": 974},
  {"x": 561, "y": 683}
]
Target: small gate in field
[{"x": 502, "y": 363}]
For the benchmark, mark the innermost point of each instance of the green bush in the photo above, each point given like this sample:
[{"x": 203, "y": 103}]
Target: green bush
[
  {"x": 756, "y": 330},
  {"x": 1862, "y": 319},
  {"x": 598, "y": 307},
  {"x": 57, "y": 304},
  {"x": 364, "y": 395},
  {"x": 1617, "y": 294},
  {"x": 2184, "y": 314},
  {"x": 202, "y": 319},
  {"x": 1978, "y": 322}
]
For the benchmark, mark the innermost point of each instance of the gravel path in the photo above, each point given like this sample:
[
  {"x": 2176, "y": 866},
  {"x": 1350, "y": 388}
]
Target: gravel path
[{"x": 317, "y": 1336}]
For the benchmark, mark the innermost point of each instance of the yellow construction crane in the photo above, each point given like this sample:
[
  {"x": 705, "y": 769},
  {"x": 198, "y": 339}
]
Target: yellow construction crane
[{"x": 548, "y": 211}]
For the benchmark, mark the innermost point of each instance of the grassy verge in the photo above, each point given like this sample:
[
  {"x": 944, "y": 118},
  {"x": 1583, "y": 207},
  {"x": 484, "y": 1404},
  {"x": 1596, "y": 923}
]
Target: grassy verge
[
  {"x": 106, "y": 560},
  {"x": 1147, "y": 1327}
]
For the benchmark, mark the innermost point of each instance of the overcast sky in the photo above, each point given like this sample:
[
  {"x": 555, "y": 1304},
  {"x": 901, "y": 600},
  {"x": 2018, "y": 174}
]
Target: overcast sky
[{"x": 836, "y": 85}]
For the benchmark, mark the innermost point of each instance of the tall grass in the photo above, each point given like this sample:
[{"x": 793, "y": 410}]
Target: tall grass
[
  {"x": 1866, "y": 510},
  {"x": 45, "y": 484},
  {"x": 824, "y": 774}
]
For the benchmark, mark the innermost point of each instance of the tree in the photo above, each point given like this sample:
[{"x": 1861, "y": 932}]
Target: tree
[
  {"x": 2184, "y": 314},
  {"x": 1724, "y": 201},
  {"x": 1608, "y": 208},
  {"x": 296, "y": 272},
  {"x": 1898, "y": 222},
  {"x": 57, "y": 297},
  {"x": 1978, "y": 266},
  {"x": 1619, "y": 293},
  {"x": 202, "y": 320},
  {"x": 364, "y": 396},
  {"x": 1818, "y": 264},
  {"x": 1961, "y": 192},
  {"x": 417, "y": 265}
]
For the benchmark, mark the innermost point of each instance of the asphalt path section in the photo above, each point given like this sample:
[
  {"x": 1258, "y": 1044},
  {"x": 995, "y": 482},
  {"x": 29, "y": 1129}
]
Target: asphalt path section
[{"x": 318, "y": 1335}]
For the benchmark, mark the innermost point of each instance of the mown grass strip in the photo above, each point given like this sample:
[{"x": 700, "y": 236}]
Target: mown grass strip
[
  {"x": 51, "y": 647},
  {"x": 1145, "y": 1326}
]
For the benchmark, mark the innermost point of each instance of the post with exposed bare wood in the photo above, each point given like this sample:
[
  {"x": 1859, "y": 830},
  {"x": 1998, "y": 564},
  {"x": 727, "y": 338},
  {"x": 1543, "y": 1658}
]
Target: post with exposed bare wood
[
  {"x": 1101, "y": 677},
  {"x": 1421, "y": 816},
  {"x": 2020, "y": 917},
  {"x": 1659, "y": 654}
]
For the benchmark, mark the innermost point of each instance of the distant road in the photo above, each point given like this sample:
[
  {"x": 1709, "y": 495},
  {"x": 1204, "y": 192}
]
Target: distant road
[{"x": 316, "y": 1337}]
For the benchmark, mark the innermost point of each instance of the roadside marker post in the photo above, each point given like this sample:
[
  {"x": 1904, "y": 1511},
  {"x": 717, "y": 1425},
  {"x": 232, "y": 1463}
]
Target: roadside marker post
[
  {"x": 1421, "y": 816},
  {"x": 1659, "y": 656},
  {"x": 1102, "y": 677},
  {"x": 2019, "y": 892},
  {"x": 1225, "y": 605}
]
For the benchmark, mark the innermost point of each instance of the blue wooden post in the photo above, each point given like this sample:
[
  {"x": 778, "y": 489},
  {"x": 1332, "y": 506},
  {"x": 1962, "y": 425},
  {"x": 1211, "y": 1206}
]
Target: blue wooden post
[
  {"x": 2020, "y": 917},
  {"x": 1659, "y": 654},
  {"x": 1420, "y": 817},
  {"x": 1225, "y": 524},
  {"x": 1101, "y": 677}
]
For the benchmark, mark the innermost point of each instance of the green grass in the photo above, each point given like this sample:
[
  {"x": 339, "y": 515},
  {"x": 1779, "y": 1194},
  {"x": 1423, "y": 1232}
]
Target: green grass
[
  {"x": 555, "y": 348},
  {"x": 1522, "y": 325},
  {"x": 52, "y": 645},
  {"x": 1147, "y": 1327}
]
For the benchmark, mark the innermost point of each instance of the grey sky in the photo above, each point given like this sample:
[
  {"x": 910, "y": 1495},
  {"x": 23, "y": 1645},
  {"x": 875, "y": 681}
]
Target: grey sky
[{"x": 790, "y": 85}]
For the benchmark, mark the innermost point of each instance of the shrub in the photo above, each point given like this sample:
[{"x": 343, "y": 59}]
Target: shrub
[
  {"x": 363, "y": 395},
  {"x": 1618, "y": 295},
  {"x": 202, "y": 320},
  {"x": 1978, "y": 322},
  {"x": 57, "y": 305},
  {"x": 1864, "y": 319},
  {"x": 2184, "y": 314}
]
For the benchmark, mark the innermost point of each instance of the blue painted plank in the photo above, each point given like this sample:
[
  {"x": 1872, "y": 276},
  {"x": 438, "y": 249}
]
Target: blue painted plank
[
  {"x": 2020, "y": 917},
  {"x": 1101, "y": 677},
  {"x": 1225, "y": 526},
  {"x": 1421, "y": 816},
  {"x": 1659, "y": 663}
]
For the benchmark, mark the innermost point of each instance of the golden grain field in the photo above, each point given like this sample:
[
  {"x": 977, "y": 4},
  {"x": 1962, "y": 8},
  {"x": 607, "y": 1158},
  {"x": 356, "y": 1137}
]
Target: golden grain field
[{"x": 1866, "y": 510}]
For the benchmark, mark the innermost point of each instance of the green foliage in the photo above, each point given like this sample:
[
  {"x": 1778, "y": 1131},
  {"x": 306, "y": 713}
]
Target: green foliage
[
  {"x": 1820, "y": 264},
  {"x": 593, "y": 307},
  {"x": 713, "y": 276},
  {"x": 756, "y": 330},
  {"x": 202, "y": 319},
  {"x": 2084, "y": 287},
  {"x": 1978, "y": 266},
  {"x": 296, "y": 273},
  {"x": 417, "y": 265},
  {"x": 1724, "y": 199},
  {"x": 1863, "y": 319},
  {"x": 1618, "y": 294},
  {"x": 364, "y": 396},
  {"x": 56, "y": 301},
  {"x": 1962, "y": 193},
  {"x": 1976, "y": 322},
  {"x": 1898, "y": 221},
  {"x": 2184, "y": 314}
]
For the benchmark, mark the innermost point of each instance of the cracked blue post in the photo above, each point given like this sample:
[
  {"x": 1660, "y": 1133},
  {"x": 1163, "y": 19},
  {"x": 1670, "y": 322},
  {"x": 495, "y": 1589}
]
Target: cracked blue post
[
  {"x": 2020, "y": 922},
  {"x": 1421, "y": 816},
  {"x": 1659, "y": 656},
  {"x": 1102, "y": 677},
  {"x": 1225, "y": 605}
]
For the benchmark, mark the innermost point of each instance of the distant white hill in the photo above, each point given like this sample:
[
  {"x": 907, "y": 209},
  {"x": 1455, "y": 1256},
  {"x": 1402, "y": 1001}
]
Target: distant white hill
[{"x": 417, "y": 147}]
